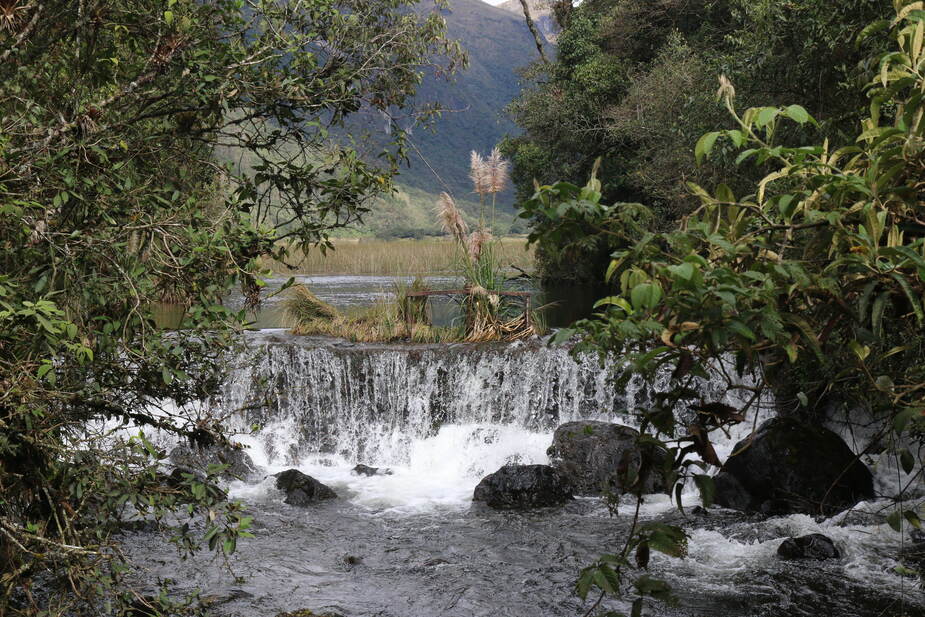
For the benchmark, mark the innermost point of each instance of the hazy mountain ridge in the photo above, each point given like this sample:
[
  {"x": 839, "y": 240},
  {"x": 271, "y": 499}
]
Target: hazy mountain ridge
[{"x": 498, "y": 43}]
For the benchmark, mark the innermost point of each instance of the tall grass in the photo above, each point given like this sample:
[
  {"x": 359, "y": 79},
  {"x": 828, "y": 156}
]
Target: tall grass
[
  {"x": 404, "y": 319},
  {"x": 399, "y": 257}
]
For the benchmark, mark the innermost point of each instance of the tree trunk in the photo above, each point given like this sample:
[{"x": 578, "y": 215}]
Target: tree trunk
[{"x": 534, "y": 31}]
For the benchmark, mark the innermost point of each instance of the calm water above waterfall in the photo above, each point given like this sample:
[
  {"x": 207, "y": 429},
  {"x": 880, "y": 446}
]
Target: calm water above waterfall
[{"x": 412, "y": 544}]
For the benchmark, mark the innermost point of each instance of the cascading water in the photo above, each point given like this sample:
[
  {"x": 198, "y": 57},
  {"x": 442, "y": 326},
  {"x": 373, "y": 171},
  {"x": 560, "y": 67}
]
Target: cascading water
[
  {"x": 412, "y": 544},
  {"x": 440, "y": 416}
]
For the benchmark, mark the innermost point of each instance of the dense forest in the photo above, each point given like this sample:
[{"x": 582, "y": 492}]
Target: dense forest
[{"x": 743, "y": 178}]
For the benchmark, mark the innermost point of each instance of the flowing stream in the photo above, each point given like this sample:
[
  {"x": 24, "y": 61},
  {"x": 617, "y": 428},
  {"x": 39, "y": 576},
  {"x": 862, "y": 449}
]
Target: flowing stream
[{"x": 412, "y": 544}]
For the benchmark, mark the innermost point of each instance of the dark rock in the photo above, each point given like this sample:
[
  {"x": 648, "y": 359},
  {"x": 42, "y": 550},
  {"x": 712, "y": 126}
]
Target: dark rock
[
  {"x": 813, "y": 546},
  {"x": 302, "y": 490},
  {"x": 733, "y": 493},
  {"x": 523, "y": 486},
  {"x": 240, "y": 465},
  {"x": 180, "y": 477},
  {"x": 787, "y": 466},
  {"x": 601, "y": 457},
  {"x": 366, "y": 470}
]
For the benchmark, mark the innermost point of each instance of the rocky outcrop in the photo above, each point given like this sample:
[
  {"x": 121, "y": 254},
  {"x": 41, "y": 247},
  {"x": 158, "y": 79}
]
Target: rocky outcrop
[
  {"x": 302, "y": 490},
  {"x": 788, "y": 466},
  {"x": 239, "y": 463},
  {"x": 812, "y": 546},
  {"x": 601, "y": 457},
  {"x": 523, "y": 487}
]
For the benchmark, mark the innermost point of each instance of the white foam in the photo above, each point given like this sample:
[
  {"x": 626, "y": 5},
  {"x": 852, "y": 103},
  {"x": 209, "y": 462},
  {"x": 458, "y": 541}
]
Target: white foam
[{"x": 441, "y": 471}]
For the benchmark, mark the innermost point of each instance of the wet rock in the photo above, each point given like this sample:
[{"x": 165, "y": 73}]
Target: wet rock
[
  {"x": 302, "y": 490},
  {"x": 523, "y": 486},
  {"x": 788, "y": 466},
  {"x": 366, "y": 470},
  {"x": 603, "y": 457},
  {"x": 240, "y": 465},
  {"x": 812, "y": 546},
  {"x": 183, "y": 476}
]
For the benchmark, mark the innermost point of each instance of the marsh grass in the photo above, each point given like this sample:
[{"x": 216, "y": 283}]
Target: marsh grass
[
  {"x": 403, "y": 319},
  {"x": 398, "y": 257}
]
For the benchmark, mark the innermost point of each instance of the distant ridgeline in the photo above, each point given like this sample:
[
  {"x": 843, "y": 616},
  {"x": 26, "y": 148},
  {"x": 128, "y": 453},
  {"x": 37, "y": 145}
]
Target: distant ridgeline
[{"x": 498, "y": 43}]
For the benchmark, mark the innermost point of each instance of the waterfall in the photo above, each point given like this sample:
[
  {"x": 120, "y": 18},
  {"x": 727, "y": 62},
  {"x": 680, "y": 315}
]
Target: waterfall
[{"x": 455, "y": 410}]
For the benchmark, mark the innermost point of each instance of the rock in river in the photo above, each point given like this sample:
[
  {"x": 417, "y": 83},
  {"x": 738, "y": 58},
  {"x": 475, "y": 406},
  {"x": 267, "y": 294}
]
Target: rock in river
[
  {"x": 523, "y": 486},
  {"x": 788, "y": 466},
  {"x": 302, "y": 490},
  {"x": 812, "y": 546},
  {"x": 366, "y": 470},
  {"x": 600, "y": 456},
  {"x": 240, "y": 465}
]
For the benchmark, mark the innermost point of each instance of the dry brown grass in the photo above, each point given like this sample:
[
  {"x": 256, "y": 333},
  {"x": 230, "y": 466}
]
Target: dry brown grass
[{"x": 395, "y": 257}]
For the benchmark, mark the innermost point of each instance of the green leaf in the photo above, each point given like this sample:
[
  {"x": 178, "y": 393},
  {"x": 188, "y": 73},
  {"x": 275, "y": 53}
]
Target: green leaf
[
  {"x": 906, "y": 460},
  {"x": 705, "y": 145},
  {"x": 667, "y": 539},
  {"x": 797, "y": 114},
  {"x": 903, "y": 417},
  {"x": 742, "y": 330},
  {"x": 895, "y": 520},
  {"x": 645, "y": 296},
  {"x": 765, "y": 116},
  {"x": 911, "y": 296},
  {"x": 707, "y": 488}
]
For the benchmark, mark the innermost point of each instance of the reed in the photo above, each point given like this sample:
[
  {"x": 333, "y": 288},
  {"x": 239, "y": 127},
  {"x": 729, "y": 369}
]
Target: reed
[{"x": 398, "y": 257}]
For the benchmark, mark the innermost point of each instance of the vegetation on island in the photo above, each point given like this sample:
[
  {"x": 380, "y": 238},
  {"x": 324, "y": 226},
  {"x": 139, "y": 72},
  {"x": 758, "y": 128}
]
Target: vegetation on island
[
  {"x": 115, "y": 121},
  {"x": 488, "y": 311}
]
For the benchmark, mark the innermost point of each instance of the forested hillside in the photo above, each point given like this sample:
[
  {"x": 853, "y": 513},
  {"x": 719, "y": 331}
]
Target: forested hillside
[
  {"x": 635, "y": 84},
  {"x": 498, "y": 44}
]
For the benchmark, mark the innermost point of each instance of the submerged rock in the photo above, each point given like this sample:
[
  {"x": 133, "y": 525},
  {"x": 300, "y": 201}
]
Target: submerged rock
[
  {"x": 812, "y": 546},
  {"x": 366, "y": 470},
  {"x": 788, "y": 466},
  {"x": 302, "y": 490},
  {"x": 240, "y": 465},
  {"x": 601, "y": 457},
  {"x": 523, "y": 486}
]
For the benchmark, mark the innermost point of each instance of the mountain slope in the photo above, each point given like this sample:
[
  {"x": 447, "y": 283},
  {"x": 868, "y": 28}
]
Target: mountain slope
[{"x": 498, "y": 44}]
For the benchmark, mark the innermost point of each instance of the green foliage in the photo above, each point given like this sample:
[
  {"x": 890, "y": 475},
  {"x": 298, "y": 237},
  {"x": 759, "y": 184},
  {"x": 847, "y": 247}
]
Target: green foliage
[
  {"x": 633, "y": 84},
  {"x": 822, "y": 264},
  {"x": 115, "y": 118}
]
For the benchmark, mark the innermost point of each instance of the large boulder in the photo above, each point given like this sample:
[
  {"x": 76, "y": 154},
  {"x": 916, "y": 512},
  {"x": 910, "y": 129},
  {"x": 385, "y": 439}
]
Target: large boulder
[
  {"x": 522, "y": 487},
  {"x": 601, "y": 457},
  {"x": 302, "y": 490},
  {"x": 788, "y": 466},
  {"x": 240, "y": 466},
  {"x": 812, "y": 546}
]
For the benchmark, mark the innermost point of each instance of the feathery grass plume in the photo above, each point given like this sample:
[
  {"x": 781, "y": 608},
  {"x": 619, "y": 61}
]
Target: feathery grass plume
[
  {"x": 303, "y": 308},
  {"x": 497, "y": 170},
  {"x": 451, "y": 220},
  {"x": 479, "y": 173},
  {"x": 477, "y": 241}
]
